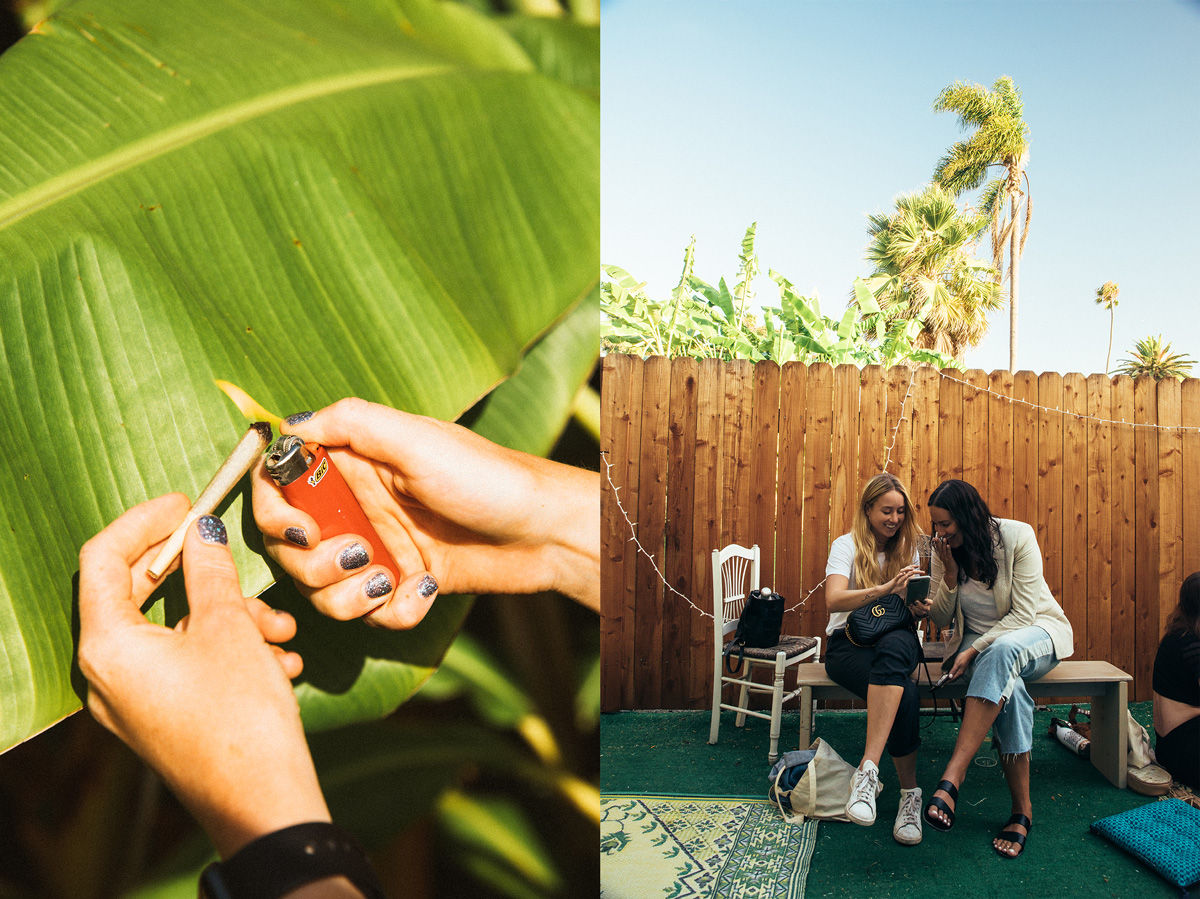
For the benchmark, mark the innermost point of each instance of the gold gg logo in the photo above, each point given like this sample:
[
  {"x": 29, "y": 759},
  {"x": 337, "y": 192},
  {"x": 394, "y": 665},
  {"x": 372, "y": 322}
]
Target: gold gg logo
[
  {"x": 877, "y": 611},
  {"x": 315, "y": 478}
]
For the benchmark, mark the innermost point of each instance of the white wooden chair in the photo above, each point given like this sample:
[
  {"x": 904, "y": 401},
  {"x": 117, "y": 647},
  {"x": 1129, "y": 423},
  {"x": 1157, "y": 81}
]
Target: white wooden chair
[{"x": 736, "y": 572}]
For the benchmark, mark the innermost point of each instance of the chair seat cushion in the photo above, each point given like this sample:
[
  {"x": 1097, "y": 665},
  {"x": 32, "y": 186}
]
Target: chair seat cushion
[
  {"x": 793, "y": 646},
  {"x": 1164, "y": 835}
]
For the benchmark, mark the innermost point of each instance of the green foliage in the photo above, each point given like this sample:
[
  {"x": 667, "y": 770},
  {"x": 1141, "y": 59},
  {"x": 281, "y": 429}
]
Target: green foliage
[
  {"x": 924, "y": 270},
  {"x": 710, "y": 322},
  {"x": 1154, "y": 358}
]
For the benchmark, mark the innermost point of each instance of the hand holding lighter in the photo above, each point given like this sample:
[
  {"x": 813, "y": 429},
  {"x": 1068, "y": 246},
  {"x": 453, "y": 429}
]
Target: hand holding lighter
[{"x": 311, "y": 482}]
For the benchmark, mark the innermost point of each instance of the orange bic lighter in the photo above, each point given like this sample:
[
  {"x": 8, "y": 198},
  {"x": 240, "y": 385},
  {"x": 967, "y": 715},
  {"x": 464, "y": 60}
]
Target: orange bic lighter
[{"x": 310, "y": 482}]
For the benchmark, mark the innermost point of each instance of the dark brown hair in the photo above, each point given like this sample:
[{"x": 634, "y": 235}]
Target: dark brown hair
[
  {"x": 1185, "y": 617},
  {"x": 979, "y": 529}
]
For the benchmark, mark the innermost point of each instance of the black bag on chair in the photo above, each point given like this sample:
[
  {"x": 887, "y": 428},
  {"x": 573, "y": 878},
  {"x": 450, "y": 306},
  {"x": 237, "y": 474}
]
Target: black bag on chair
[
  {"x": 866, "y": 624},
  {"x": 759, "y": 625}
]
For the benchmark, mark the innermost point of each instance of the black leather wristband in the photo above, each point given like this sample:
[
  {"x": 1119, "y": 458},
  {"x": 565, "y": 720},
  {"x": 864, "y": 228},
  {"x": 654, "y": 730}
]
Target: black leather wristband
[{"x": 279, "y": 862}]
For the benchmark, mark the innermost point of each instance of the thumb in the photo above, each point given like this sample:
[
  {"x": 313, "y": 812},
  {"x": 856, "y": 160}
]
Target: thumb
[{"x": 209, "y": 575}]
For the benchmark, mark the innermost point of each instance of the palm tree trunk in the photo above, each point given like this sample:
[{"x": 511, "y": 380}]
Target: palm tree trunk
[{"x": 1013, "y": 259}]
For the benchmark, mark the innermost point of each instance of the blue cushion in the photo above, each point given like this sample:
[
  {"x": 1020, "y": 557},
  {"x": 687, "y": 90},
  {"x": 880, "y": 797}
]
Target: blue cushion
[{"x": 1164, "y": 835}]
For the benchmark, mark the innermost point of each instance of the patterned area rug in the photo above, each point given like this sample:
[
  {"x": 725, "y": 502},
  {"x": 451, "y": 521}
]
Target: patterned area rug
[{"x": 677, "y": 847}]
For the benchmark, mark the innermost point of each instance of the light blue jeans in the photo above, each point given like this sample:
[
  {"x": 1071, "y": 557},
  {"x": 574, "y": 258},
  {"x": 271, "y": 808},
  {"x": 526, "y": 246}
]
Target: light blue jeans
[{"x": 1000, "y": 672}]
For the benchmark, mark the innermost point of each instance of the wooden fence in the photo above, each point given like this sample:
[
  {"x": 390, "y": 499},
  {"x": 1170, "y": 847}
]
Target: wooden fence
[{"x": 705, "y": 453}]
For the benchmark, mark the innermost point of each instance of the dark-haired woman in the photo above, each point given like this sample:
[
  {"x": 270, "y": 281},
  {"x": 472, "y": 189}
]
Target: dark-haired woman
[
  {"x": 1008, "y": 629},
  {"x": 1177, "y": 688}
]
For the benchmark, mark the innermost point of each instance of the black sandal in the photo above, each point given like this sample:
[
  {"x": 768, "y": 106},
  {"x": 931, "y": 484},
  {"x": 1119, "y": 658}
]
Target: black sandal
[
  {"x": 1013, "y": 837},
  {"x": 952, "y": 791}
]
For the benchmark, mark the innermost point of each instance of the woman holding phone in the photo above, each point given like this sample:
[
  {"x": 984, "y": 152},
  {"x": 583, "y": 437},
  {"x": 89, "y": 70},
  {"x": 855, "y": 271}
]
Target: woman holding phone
[
  {"x": 878, "y": 557},
  {"x": 1008, "y": 629}
]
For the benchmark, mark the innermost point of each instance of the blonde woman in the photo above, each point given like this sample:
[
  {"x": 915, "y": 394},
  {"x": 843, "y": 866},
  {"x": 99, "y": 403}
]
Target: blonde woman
[{"x": 876, "y": 558}]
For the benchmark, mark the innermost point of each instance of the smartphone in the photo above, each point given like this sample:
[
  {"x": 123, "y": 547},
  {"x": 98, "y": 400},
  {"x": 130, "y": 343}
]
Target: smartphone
[{"x": 918, "y": 589}]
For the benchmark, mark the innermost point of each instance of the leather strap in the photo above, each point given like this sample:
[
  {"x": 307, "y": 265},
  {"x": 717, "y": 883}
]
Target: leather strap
[{"x": 279, "y": 862}]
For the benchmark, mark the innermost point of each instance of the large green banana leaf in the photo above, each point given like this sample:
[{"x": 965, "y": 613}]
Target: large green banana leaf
[{"x": 308, "y": 198}]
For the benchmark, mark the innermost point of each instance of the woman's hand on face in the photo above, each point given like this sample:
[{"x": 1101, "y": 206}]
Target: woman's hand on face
[
  {"x": 208, "y": 703},
  {"x": 949, "y": 566},
  {"x": 458, "y": 513}
]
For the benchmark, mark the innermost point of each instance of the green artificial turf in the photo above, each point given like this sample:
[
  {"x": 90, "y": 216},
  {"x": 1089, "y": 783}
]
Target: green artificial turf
[{"x": 667, "y": 752}]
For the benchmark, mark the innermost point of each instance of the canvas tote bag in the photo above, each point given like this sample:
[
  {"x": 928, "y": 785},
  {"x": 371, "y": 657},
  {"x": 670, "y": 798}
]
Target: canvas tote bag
[{"x": 822, "y": 790}]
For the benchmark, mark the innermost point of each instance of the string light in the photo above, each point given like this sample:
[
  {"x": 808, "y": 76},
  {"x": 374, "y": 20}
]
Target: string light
[{"x": 895, "y": 431}]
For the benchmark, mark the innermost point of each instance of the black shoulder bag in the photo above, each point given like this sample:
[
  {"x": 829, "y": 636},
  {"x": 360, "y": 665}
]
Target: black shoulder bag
[
  {"x": 867, "y": 624},
  {"x": 758, "y": 627}
]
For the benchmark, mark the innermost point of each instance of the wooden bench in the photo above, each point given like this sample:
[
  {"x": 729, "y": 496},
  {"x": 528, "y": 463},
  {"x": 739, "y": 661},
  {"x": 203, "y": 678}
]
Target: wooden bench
[{"x": 1107, "y": 685}]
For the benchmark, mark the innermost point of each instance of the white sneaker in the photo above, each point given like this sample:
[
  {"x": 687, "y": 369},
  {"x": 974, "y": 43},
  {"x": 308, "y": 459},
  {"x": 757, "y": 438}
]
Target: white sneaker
[
  {"x": 907, "y": 829},
  {"x": 864, "y": 787}
]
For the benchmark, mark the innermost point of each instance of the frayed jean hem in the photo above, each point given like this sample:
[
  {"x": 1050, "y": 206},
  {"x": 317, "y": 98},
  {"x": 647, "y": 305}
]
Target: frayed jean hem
[{"x": 999, "y": 674}]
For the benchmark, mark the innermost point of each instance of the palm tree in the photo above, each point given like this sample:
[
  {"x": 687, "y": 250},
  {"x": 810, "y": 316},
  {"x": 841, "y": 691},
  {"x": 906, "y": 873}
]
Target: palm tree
[
  {"x": 925, "y": 270},
  {"x": 1151, "y": 357},
  {"x": 1001, "y": 139},
  {"x": 1106, "y": 296}
]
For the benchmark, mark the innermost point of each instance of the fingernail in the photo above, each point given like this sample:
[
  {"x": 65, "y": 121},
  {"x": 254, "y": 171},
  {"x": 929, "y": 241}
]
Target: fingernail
[
  {"x": 298, "y": 417},
  {"x": 297, "y": 536},
  {"x": 212, "y": 529},
  {"x": 353, "y": 556},
  {"x": 379, "y": 585},
  {"x": 427, "y": 586}
]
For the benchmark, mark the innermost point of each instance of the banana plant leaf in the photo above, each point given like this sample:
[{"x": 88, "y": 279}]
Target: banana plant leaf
[{"x": 306, "y": 198}]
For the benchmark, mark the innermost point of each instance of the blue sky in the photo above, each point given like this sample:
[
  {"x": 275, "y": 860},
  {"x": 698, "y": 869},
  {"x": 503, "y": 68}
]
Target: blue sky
[{"x": 807, "y": 115}]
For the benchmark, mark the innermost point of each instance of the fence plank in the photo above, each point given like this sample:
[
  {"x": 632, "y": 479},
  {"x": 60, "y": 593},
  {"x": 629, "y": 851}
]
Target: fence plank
[
  {"x": 765, "y": 464},
  {"x": 818, "y": 469},
  {"x": 1170, "y": 524},
  {"x": 872, "y": 416},
  {"x": 651, "y": 519},
  {"x": 1146, "y": 517},
  {"x": 1125, "y": 526},
  {"x": 706, "y": 521},
  {"x": 898, "y": 431},
  {"x": 681, "y": 478},
  {"x": 925, "y": 477},
  {"x": 975, "y": 431},
  {"x": 845, "y": 486},
  {"x": 1000, "y": 444},
  {"x": 1050, "y": 480},
  {"x": 950, "y": 425},
  {"x": 1099, "y": 519},
  {"x": 614, "y": 421},
  {"x": 627, "y": 428},
  {"x": 1076, "y": 506},
  {"x": 1190, "y": 419},
  {"x": 793, "y": 429},
  {"x": 736, "y": 443},
  {"x": 1025, "y": 448}
]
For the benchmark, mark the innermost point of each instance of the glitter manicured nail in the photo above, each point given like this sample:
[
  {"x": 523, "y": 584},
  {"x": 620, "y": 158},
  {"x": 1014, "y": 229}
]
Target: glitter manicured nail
[
  {"x": 297, "y": 536},
  {"x": 427, "y": 587},
  {"x": 212, "y": 529},
  {"x": 298, "y": 418},
  {"x": 379, "y": 585},
  {"x": 353, "y": 556}
]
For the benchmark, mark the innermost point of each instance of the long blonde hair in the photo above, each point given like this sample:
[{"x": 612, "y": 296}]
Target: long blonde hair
[{"x": 899, "y": 549}]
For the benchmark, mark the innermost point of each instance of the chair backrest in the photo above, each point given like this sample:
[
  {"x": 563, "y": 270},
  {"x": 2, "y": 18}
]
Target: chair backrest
[{"x": 736, "y": 571}]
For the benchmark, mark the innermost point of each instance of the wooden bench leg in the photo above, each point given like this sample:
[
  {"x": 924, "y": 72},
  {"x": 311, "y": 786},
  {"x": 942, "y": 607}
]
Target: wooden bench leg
[
  {"x": 1110, "y": 733},
  {"x": 806, "y": 717}
]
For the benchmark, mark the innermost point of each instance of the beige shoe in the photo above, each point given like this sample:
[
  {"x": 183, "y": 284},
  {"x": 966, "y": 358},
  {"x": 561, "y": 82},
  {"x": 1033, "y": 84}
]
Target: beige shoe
[
  {"x": 1150, "y": 780},
  {"x": 907, "y": 829},
  {"x": 864, "y": 787}
]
